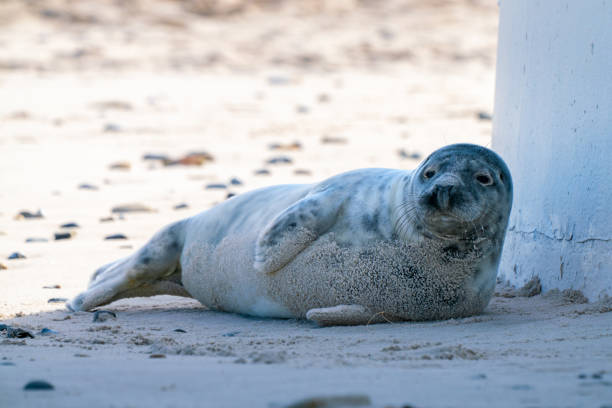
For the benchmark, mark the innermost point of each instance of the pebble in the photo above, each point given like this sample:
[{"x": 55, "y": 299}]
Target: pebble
[
  {"x": 112, "y": 127},
  {"x": 181, "y": 206},
  {"x": 482, "y": 115},
  {"x": 230, "y": 195},
  {"x": 103, "y": 315},
  {"x": 235, "y": 181},
  {"x": 3, "y": 266},
  {"x": 17, "y": 333},
  {"x": 86, "y": 186},
  {"x": 16, "y": 255},
  {"x": 215, "y": 186},
  {"x": 63, "y": 235},
  {"x": 81, "y": 355},
  {"x": 57, "y": 300},
  {"x": 322, "y": 98},
  {"x": 115, "y": 236},
  {"x": 7, "y": 363},
  {"x": 157, "y": 356},
  {"x": 45, "y": 331},
  {"x": 52, "y": 287},
  {"x": 286, "y": 147},
  {"x": 38, "y": 385},
  {"x": 406, "y": 155},
  {"x": 192, "y": 159},
  {"x": 36, "y": 239},
  {"x": 29, "y": 215},
  {"x": 180, "y": 331},
  {"x": 70, "y": 225},
  {"x": 302, "y": 109},
  {"x": 107, "y": 219},
  {"x": 131, "y": 208},
  {"x": 302, "y": 172},
  {"x": 156, "y": 157},
  {"x": 279, "y": 160},
  {"x": 341, "y": 401},
  {"x": 262, "y": 172},
  {"x": 231, "y": 334},
  {"x": 333, "y": 140},
  {"x": 122, "y": 165}
]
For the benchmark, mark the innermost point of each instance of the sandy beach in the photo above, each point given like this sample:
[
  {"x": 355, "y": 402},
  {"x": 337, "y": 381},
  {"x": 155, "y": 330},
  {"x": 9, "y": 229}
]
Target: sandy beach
[{"x": 95, "y": 95}]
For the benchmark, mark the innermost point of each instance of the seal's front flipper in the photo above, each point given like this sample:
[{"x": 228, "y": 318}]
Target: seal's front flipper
[
  {"x": 344, "y": 315},
  {"x": 293, "y": 230}
]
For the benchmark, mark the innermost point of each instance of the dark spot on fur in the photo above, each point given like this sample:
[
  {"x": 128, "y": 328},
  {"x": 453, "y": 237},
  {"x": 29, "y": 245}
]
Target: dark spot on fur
[
  {"x": 370, "y": 223},
  {"x": 292, "y": 225},
  {"x": 302, "y": 217},
  {"x": 174, "y": 245},
  {"x": 146, "y": 260}
]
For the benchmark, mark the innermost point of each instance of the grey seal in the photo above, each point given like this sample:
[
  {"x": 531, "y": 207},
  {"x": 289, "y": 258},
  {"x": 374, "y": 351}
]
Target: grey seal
[{"x": 369, "y": 245}]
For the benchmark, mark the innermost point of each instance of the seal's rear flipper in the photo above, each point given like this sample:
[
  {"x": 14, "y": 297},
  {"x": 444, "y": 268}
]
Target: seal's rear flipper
[
  {"x": 294, "y": 230},
  {"x": 153, "y": 270},
  {"x": 344, "y": 315}
]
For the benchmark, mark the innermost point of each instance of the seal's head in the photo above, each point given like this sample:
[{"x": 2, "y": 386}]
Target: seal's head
[{"x": 461, "y": 192}]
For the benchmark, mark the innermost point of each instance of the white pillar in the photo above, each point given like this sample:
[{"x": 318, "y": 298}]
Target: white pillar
[{"x": 553, "y": 126}]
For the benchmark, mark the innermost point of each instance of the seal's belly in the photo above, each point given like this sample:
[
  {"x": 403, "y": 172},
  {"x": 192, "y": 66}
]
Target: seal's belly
[{"x": 402, "y": 281}]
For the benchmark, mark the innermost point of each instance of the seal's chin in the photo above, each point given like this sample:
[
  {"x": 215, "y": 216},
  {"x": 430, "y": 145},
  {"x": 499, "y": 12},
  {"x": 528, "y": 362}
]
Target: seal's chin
[{"x": 454, "y": 225}]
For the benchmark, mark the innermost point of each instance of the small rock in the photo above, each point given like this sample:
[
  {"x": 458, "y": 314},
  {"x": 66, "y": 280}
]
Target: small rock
[
  {"x": 278, "y": 80},
  {"x": 126, "y": 247},
  {"x": 86, "y": 186},
  {"x": 36, "y": 239},
  {"x": 16, "y": 255},
  {"x": 181, "y": 206},
  {"x": 482, "y": 115},
  {"x": 262, "y": 172},
  {"x": 285, "y": 147},
  {"x": 7, "y": 363},
  {"x": 69, "y": 225},
  {"x": 230, "y": 195},
  {"x": 343, "y": 401},
  {"x": 131, "y": 208},
  {"x": 29, "y": 215},
  {"x": 103, "y": 315},
  {"x": 192, "y": 159},
  {"x": 531, "y": 288},
  {"x": 323, "y": 97},
  {"x": 2, "y": 266},
  {"x": 52, "y": 287},
  {"x": 235, "y": 181},
  {"x": 45, "y": 331},
  {"x": 64, "y": 235},
  {"x": 81, "y": 355},
  {"x": 107, "y": 219},
  {"x": 240, "y": 361},
  {"x": 231, "y": 334},
  {"x": 333, "y": 140},
  {"x": 302, "y": 109},
  {"x": 157, "y": 356},
  {"x": 405, "y": 155},
  {"x": 38, "y": 385},
  {"x": 114, "y": 237},
  {"x": 157, "y": 157},
  {"x": 302, "y": 172},
  {"x": 112, "y": 128},
  {"x": 57, "y": 300},
  {"x": 123, "y": 165},
  {"x": 180, "y": 331},
  {"x": 279, "y": 160},
  {"x": 215, "y": 186},
  {"x": 17, "y": 333}
]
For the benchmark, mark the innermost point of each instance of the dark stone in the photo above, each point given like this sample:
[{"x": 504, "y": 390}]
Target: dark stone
[
  {"x": 115, "y": 236},
  {"x": 57, "y": 300},
  {"x": 38, "y": 385},
  {"x": 35, "y": 239},
  {"x": 279, "y": 160},
  {"x": 45, "y": 331},
  {"x": 16, "y": 255},
  {"x": 181, "y": 206},
  {"x": 86, "y": 186},
  {"x": 235, "y": 182},
  {"x": 29, "y": 215},
  {"x": 70, "y": 225},
  {"x": 180, "y": 331},
  {"x": 262, "y": 172},
  {"x": 156, "y": 157},
  {"x": 482, "y": 115},
  {"x": 230, "y": 195},
  {"x": 62, "y": 235},
  {"x": 215, "y": 186}
]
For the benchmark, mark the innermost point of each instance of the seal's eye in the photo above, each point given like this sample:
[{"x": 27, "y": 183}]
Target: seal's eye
[
  {"x": 429, "y": 173},
  {"x": 484, "y": 179}
]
